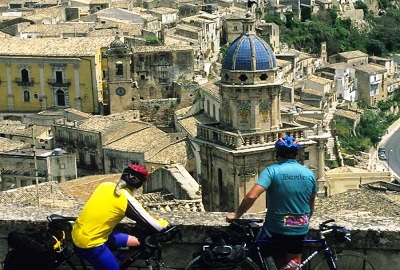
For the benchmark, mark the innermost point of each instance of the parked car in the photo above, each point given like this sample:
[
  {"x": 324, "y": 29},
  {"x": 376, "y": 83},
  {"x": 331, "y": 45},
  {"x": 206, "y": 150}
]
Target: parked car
[{"x": 382, "y": 153}]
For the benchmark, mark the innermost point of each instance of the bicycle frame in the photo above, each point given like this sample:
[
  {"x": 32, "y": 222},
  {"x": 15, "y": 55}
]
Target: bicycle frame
[{"x": 256, "y": 247}]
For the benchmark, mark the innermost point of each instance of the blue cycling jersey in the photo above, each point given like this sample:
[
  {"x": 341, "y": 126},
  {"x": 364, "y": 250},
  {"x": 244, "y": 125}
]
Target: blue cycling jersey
[{"x": 289, "y": 187}]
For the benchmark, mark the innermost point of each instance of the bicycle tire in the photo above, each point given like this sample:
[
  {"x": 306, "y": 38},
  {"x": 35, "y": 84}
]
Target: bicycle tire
[
  {"x": 248, "y": 264},
  {"x": 66, "y": 266},
  {"x": 349, "y": 260}
]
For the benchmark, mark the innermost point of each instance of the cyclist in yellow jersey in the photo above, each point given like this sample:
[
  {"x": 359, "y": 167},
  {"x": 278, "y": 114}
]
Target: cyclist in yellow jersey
[{"x": 92, "y": 232}]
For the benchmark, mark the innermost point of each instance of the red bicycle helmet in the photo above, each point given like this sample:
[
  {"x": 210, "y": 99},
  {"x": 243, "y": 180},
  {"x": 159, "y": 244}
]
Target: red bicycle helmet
[{"x": 135, "y": 175}]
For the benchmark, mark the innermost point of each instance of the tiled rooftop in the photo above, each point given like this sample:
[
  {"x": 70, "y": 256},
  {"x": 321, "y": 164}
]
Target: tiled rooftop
[
  {"x": 212, "y": 89},
  {"x": 370, "y": 68},
  {"x": 190, "y": 123},
  {"x": 164, "y": 10},
  {"x": 304, "y": 118},
  {"x": 118, "y": 14},
  {"x": 353, "y": 54},
  {"x": 319, "y": 79},
  {"x": 98, "y": 123},
  {"x": 81, "y": 46},
  {"x": 306, "y": 107},
  {"x": 79, "y": 113},
  {"x": 345, "y": 169},
  {"x": 168, "y": 48},
  {"x": 7, "y": 145},
  {"x": 74, "y": 193},
  {"x": 347, "y": 114},
  {"x": 45, "y": 13},
  {"x": 368, "y": 205},
  {"x": 188, "y": 28},
  {"x": 141, "y": 141},
  {"x": 239, "y": 15},
  {"x": 70, "y": 28},
  {"x": 313, "y": 92},
  {"x": 176, "y": 152}
]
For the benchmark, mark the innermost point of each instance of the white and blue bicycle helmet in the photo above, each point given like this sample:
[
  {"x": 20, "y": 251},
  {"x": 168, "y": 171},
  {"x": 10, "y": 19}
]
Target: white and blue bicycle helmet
[{"x": 287, "y": 147}]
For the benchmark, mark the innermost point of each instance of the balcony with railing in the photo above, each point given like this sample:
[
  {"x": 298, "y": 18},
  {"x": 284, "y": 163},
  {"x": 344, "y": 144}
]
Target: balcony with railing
[
  {"x": 59, "y": 83},
  {"x": 163, "y": 81},
  {"x": 21, "y": 82},
  {"x": 249, "y": 139}
]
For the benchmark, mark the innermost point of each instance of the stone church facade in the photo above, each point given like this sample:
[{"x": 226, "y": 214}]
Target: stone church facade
[{"x": 234, "y": 152}]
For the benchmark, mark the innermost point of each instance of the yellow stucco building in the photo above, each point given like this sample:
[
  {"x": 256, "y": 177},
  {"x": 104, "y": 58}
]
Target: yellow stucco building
[{"x": 43, "y": 73}]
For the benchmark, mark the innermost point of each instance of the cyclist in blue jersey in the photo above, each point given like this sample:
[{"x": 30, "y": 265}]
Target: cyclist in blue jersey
[
  {"x": 92, "y": 232},
  {"x": 291, "y": 190}
]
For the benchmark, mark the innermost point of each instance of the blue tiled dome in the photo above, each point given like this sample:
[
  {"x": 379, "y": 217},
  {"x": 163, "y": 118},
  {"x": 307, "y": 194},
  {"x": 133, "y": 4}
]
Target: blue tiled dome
[{"x": 240, "y": 54}]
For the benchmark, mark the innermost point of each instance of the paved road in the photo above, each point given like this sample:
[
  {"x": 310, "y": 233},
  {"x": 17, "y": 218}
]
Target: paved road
[{"x": 392, "y": 146}]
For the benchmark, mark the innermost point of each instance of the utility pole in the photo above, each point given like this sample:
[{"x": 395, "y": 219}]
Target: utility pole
[{"x": 35, "y": 164}]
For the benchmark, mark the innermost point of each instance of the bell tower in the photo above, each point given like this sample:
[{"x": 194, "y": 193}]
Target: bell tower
[
  {"x": 250, "y": 84},
  {"x": 233, "y": 153},
  {"x": 121, "y": 94}
]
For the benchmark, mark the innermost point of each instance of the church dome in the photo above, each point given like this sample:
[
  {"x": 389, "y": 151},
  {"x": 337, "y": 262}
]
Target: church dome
[{"x": 249, "y": 52}]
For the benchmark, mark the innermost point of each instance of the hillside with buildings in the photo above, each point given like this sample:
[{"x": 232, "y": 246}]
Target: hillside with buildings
[
  {"x": 197, "y": 92},
  {"x": 92, "y": 87}
]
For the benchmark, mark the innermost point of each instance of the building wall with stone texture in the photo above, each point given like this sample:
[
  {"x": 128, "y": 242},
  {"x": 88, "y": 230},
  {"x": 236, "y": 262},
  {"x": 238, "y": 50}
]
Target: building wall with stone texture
[
  {"x": 341, "y": 182},
  {"x": 61, "y": 168},
  {"x": 156, "y": 68},
  {"x": 115, "y": 160},
  {"x": 18, "y": 169},
  {"x": 176, "y": 180}
]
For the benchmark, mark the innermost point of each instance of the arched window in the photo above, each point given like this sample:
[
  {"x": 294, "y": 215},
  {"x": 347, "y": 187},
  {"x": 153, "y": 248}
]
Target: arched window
[
  {"x": 27, "y": 96},
  {"x": 213, "y": 111},
  {"x": 119, "y": 68},
  {"x": 24, "y": 75},
  {"x": 60, "y": 98},
  {"x": 220, "y": 190}
]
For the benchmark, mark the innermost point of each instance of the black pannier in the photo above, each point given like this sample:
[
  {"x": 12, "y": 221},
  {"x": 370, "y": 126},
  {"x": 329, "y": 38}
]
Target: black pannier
[
  {"x": 33, "y": 249},
  {"x": 221, "y": 252}
]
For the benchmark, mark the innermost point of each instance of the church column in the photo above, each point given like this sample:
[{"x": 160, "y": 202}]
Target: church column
[
  {"x": 279, "y": 110},
  {"x": 78, "y": 98},
  {"x": 274, "y": 111},
  {"x": 42, "y": 97},
  {"x": 10, "y": 97},
  {"x": 321, "y": 157},
  {"x": 323, "y": 184}
]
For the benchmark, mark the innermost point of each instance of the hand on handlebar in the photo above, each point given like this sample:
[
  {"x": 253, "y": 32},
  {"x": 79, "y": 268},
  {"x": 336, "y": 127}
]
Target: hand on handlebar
[{"x": 230, "y": 217}]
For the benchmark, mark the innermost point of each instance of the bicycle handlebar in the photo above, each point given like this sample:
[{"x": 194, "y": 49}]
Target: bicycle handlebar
[
  {"x": 246, "y": 221},
  {"x": 166, "y": 235}
]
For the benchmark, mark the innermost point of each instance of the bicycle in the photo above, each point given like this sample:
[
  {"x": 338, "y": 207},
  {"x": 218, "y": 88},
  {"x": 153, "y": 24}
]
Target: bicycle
[
  {"x": 333, "y": 259},
  {"x": 148, "y": 255}
]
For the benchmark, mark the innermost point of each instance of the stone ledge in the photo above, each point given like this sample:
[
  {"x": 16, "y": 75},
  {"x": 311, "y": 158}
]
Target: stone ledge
[{"x": 380, "y": 242}]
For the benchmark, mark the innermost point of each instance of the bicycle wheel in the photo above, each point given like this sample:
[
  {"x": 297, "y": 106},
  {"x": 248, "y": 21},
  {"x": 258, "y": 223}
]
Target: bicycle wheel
[
  {"x": 248, "y": 264},
  {"x": 349, "y": 260},
  {"x": 66, "y": 266}
]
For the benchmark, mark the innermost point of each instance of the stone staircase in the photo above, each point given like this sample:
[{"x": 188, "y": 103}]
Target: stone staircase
[{"x": 330, "y": 146}]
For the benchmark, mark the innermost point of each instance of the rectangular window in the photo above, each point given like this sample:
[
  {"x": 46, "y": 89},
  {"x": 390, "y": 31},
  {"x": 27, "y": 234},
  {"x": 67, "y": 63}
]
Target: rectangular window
[
  {"x": 113, "y": 164},
  {"x": 82, "y": 158},
  {"x": 93, "y": 160},
  {"x": 59, "y": 77}
]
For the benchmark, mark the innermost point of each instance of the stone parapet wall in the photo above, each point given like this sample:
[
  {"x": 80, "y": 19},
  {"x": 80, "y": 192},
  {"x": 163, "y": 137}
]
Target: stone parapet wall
[{"x": 381, "y": 243}]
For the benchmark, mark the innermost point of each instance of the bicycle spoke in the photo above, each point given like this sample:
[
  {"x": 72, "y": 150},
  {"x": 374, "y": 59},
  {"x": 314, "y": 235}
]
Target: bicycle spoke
[{"x": 349, "y": 260}]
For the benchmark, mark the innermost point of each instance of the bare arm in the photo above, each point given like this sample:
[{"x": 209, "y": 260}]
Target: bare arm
[
  {"x": 312, "y": 203},
  {"x": 247, "y": 202}
]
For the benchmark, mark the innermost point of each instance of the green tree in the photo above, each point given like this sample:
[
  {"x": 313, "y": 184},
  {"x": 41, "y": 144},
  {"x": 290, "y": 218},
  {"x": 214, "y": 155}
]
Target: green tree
[
  {"x": 361, "y": 5},
  {"x": 371, "y": 126}
]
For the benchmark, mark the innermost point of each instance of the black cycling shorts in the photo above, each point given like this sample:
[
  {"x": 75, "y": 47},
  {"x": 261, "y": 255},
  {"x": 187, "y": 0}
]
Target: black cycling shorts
[{"x": 286, "y": 243}]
